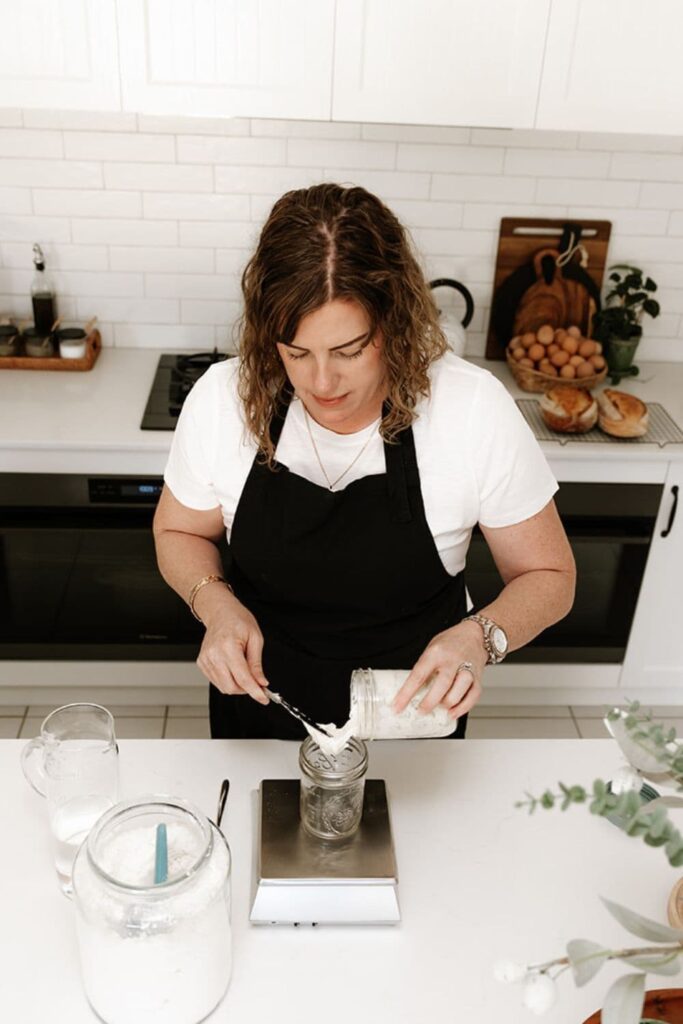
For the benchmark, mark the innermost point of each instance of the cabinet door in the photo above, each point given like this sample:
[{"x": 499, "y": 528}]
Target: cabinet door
[
  {"x": 59, "y": 54},
  {"x": 613, "y": 65},
  {"x": 227, "y": 58},
  {"x": 654, "y": 656},
  {"x": 439, "y": 63}
]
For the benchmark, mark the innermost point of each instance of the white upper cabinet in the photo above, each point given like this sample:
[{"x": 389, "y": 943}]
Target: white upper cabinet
[
  {"x": 439, "y": 63},
  {"x": 613, "y": 65},
  {"x": 59, "y": 54},
  {"x": 227, "y": 58}
]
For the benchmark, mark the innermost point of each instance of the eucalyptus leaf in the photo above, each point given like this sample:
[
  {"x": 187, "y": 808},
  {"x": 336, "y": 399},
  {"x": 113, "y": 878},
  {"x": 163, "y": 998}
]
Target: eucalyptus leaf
[
  {"x": 643, "y": 927},
  {"x": 636, "y": 755},
  {"x": 624, "y": 1002},
  {"x": 669, "y": 964},
  {"x": 585, "y": 958}
]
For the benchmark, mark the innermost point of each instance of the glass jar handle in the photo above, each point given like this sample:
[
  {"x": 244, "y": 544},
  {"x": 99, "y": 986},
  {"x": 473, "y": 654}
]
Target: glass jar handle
[{"x": 32, "y": 765}]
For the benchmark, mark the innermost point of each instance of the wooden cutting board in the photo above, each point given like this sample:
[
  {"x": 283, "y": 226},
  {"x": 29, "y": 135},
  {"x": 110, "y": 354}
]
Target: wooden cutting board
[{"x": 523, "y": 238}]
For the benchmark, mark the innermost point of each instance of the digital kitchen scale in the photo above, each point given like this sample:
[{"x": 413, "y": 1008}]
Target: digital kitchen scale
[{"x": 303, "y": 880}]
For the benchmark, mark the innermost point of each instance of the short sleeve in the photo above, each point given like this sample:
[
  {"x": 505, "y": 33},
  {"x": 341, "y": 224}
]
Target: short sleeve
[
  {"x": 189, "y": 472},
  {"x": 515, "y": 480}
]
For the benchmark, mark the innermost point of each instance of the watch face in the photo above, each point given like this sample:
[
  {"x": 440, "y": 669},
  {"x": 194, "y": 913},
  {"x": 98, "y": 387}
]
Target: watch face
[{"x": 499, "y": 639}]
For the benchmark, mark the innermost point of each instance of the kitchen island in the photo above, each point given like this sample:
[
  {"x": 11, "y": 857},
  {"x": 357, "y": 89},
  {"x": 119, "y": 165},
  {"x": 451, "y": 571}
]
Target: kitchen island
[{"x": 479, "y": 880}]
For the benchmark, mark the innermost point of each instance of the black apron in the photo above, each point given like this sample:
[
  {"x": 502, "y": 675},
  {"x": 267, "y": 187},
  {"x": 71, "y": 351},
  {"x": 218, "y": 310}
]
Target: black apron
[{"x": 336, "y": 581}]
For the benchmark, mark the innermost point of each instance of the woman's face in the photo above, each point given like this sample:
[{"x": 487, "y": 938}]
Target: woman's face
[{"x": 335, "y": 367}]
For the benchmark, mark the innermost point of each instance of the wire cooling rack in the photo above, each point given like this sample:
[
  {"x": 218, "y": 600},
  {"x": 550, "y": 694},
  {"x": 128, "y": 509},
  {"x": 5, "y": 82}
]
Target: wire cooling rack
[{"x": 662, "y": 430}]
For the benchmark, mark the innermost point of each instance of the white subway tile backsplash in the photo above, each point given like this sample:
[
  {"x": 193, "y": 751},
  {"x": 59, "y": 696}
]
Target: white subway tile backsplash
[
  {"x": 20, "y": 142},
  {"x": 338, "y": 153},
  {"x": 676, "y": 223},
  {"x": 630, "y": 222},
  {"x": 159, "y": 177},
  {"x": 388, "y": 185},
  {"x": 81, "y": 120},
  {"x": 451, "y": 159},
  {"x": 202, "y": 206},
  {"x": 10, "y": 118},
  {"x": 222, "y": 233},
  {"x": 35, "y": 229},
  {"x": 631, "y": 250},
  {"x": 523, "y": 138},
  {"x": 193, "y": 125},
  {"x": 458, "y": 243},
  {"x": 231, "y": 261},
  {"x": 187, "y": 286},
  {"x": 271, "y": 180},
  {"x": 198, "y": 149},
  {"x": 415, "y": 213},
  {"x": 58, "y": 256},
  {"x": 305, "y": 129},
  {"x": 661, "y": 196},
  {"x": 163, "y": 336},
  {"x": 158, "y": 259},
  {"x": 575, "y": 191},
  {"x": 17, "y": 306},
  {"x": 562, "y": 163},
  {"x": 15, "y": 282},
  {"x": 487, "y": 216},
  {"x": 119, "y": 146},
  {"x": 632, "y": 143},
  {"x": 83, "y": 283},
  {"x": 126, "y": 232},
  {"x": 671, "y": 299},
  {"x": 211, "y": 311},
  {"x": 51, "y": 173},
  {"x": 483, "y": 188},
  {"x": 15, "y": 200},
  {"x": 134, "y": 310},
  {"x": 647, "y": 167},
  {"x": 416, "y": 133},
  {"x": 86, "y": 202}
]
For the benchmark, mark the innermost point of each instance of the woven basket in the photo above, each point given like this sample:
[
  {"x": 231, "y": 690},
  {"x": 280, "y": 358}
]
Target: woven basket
[{"x": 534, "y": 380}]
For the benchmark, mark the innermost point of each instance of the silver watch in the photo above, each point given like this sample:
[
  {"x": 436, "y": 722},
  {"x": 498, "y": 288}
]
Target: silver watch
[{"x": 495, "y": 638}]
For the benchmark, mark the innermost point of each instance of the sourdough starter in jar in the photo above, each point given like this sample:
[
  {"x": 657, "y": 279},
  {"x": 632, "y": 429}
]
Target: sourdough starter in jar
[
  {"x": 372, "y": 694},
  {"x": 332, "y": 789}
]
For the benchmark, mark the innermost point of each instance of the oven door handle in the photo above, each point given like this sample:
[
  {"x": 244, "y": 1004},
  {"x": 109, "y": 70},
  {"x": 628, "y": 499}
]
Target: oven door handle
[{"x": 672, "y": 513}]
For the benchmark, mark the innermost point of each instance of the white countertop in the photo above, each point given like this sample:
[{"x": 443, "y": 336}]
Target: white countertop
[
  {"x": 90, "y": 422},
  {"x": 478, "y": 881}
]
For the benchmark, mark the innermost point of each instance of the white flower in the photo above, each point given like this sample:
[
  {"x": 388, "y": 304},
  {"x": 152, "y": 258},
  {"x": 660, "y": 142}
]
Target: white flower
[
  {"x": 539, "y": 993},
  {"x": 508, "y": 971},
  {"x": 626, "y": 780}
]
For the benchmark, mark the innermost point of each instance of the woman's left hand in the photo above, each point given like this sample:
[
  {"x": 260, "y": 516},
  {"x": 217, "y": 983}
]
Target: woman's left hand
[{"x": 450, "y": 685}]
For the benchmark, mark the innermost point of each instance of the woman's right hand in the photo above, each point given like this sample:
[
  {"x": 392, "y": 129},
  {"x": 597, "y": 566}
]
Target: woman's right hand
[{"x": 230, "y": 655}]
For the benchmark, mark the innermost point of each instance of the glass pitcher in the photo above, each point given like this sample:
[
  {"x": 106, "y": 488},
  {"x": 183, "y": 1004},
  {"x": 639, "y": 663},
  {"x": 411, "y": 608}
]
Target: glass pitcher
[
  {"x": 74, "y": 764},
  {"x": 151, "y": 951}
]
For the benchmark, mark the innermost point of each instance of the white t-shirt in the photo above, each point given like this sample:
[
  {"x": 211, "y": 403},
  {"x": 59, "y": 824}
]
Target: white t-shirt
[{"x": 477, "y": 458}]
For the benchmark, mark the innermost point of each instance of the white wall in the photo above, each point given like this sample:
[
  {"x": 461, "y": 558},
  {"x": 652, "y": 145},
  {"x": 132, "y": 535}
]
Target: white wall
[{"x": 148, "y": 221}]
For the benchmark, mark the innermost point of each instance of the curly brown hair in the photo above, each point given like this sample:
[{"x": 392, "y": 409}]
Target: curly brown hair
[{"x": 331, "y": 242}]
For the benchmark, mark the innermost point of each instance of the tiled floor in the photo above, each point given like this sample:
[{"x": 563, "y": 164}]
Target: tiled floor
[{"x": 180, "y": 721}]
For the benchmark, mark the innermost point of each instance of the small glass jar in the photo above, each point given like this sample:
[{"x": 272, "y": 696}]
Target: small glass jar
[
  {"x": 372, "y": 694},
  {"x": 332, "y": 789},
  {"x": 72, "y": 342},
  {"x": 37, "y": 343},
  {"x": 153, "y": 952},
  {"x": 10, "y": 340}
]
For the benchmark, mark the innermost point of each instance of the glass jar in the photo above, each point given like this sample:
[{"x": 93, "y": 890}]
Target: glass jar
[
  {"x": 332, "y": 788},
  {"x": 10, "y": 340},
  {"x": 153, "y": 952},
  {"x": 38, "y": 344},
  {"x": 372, "y": 694}
]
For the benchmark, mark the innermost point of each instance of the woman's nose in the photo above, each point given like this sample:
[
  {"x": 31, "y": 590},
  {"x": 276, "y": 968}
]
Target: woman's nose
[{"x": 324, "y": 378}]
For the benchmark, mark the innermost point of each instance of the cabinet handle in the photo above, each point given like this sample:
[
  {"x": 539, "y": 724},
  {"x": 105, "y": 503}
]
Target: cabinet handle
[{"x": 672, "y": 514}]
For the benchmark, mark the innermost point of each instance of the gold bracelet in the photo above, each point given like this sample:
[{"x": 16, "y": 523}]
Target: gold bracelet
[{"x": 212, "y": 578}]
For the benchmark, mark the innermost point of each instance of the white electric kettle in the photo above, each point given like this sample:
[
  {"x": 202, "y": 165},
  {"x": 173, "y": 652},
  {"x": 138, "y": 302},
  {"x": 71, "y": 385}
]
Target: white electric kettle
[{"x": 453, "y": 328}]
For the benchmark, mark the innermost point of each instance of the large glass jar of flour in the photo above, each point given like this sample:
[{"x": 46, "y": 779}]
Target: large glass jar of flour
[
  {"x": 153, "y": 952},
  {"x": 372, "y": 694},
  {"x": 332, "y": 789}
]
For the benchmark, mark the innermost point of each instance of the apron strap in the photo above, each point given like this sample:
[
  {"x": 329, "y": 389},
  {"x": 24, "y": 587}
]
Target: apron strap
[
  {"x": 401, "y": 470},
  {"x": 281, "y": 406}
]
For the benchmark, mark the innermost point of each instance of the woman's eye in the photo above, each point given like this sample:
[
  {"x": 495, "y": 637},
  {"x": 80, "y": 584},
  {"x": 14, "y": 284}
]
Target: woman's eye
[
  {"x": 292, "y": 356},
  {"x": 351, "y": 355}
]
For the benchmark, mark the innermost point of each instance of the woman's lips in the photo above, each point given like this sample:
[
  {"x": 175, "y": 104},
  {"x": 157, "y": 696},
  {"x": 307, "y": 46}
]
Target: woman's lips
[{"x": 330, "y": 401}]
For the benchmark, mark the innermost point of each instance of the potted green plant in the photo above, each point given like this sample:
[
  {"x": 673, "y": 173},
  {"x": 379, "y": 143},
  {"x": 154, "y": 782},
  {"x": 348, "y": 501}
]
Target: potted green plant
[
  {"x": 618, "y": 326},
  {"x": 651, "y": 748}
]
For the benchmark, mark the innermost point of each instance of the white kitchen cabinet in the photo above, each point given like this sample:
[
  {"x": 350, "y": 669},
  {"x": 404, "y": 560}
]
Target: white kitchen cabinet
[
  {"x": 227, "y": 58},
  {"x": 654, "y": 657},
  {"x": 613, "y": 65},
  {"x": 59, "y": 54},
  {"x": 439, "y": 63}
]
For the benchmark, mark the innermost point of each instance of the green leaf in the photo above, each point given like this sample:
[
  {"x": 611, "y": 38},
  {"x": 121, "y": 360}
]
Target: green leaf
[
  {"x": 585, "y": 958},
  {"x": 668, "y": 965},
  {"x": 651, "y": 307},
  {"x": 643, "y": 927},
  {"x": 624, "y": 1001},
  {"x": 643, "y": 760},
  {"x": 547, "y": 800},
  {"x": 649, "y": 285}
]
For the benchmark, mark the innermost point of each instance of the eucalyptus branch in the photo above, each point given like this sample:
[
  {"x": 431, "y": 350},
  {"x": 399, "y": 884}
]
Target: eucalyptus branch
[{"x": 611, "y": 954}]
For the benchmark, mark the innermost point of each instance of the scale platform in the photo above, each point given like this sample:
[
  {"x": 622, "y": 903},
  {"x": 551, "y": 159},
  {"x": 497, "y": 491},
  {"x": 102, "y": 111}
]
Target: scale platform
[{"x": 303, "y": 880}]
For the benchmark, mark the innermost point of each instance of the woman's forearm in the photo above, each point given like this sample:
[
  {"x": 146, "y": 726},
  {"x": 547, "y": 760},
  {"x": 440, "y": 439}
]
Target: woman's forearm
[
  {"x": 183, "y": 560},
  {"x": 530, "y": 603}
]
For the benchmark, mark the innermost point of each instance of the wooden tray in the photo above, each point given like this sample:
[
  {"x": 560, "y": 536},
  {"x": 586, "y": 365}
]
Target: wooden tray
[
  {"x": 93, "y": 344},
  {"x": 521, "y": 237},
  {"x": 664, "y": 1004}
]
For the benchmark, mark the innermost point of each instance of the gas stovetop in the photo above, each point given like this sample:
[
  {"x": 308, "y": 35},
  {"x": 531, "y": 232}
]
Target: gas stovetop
[{"x": 173, "y": 382}]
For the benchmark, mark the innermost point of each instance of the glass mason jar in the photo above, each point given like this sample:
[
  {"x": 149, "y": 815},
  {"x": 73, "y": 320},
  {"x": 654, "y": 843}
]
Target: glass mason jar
[
  {"x": 372, "y": 694},
  {"x": 153, "y": 952},
  {"x": 332, "y": 788}
]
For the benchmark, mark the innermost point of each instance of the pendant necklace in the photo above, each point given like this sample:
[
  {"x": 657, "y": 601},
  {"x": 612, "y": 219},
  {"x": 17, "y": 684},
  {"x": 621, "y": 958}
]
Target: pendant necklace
[{"x": 333, "y": 483}]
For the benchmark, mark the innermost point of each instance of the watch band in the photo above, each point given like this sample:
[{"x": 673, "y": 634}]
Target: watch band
[{"x": 487, "y": 626}]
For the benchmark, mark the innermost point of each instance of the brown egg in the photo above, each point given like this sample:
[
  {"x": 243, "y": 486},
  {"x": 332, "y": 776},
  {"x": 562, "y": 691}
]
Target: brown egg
[
  {"x": 560, "y": 335},
  {"x": 586, "y": 349},
  {"x": 598, "y": 348},
  {"x": 570, "y": 345},
  {"x": 536, "y": 352},
  {"x": 552, "y": 349},
  {"x": 545, "y": 366},
  {"x": 545, "y": 334},
  {"x": 514, "y": 342},
  {"x": 518, "y": 353},
  {"x": 528, "y": 339},
  {"x": 576, "y": 360},
  {"x": 574, "y": 331},
  {"x": 527, "y": 362},
  {"x": 559, "y": 358},
  {"x": 568, "y": 371},
  {"x": 586, "y": 369},
  {"x": 598, "y": 362}
]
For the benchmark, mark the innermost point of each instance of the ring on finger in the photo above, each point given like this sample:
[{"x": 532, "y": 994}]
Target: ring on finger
[{"x": 465, "y": 665}]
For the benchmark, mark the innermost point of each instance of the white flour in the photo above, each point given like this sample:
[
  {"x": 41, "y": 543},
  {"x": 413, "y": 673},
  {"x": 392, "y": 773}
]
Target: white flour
[{"x": 165, "y": 959}]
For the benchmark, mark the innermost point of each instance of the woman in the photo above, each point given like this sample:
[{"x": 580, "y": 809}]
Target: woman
[{"x": 348, "y": 456}]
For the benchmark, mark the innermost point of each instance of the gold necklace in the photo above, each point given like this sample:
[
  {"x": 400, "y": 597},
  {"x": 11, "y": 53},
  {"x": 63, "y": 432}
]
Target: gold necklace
[{"x": 332, "y": 483}]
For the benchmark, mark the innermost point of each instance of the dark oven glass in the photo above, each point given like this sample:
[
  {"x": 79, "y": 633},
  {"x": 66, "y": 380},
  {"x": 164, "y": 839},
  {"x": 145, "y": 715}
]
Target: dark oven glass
[
  {"x": 609, "y": 527},
  {"x": 78, "y": 573}
]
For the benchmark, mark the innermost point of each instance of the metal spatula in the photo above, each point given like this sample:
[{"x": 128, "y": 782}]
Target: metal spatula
[{"x": 291, "y": 710}]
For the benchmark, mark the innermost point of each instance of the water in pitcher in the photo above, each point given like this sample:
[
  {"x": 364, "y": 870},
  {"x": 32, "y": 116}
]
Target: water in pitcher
[{"x": 71, "y": 823}]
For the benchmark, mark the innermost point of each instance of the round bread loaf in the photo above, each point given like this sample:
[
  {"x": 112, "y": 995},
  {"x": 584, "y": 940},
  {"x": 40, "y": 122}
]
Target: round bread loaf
[
  {"x": 621, "y": 414},
  {"x": 569, "y": 410}
]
